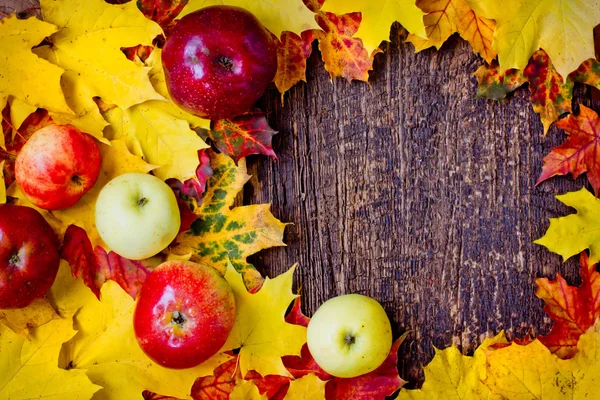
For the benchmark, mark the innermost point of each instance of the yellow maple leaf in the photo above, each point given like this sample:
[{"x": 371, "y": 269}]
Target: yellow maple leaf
[
  {"x": 246, "y": 390},
  {"x": 159, "y": 137},
  {"x": 89, "y": 42},
  {"x": 222, "y": 234},
  {"x": 21, "y": 320},
  {"x": 260, "y": 330},
  {"x": 68, "y": 293},
  {"x": 29, "y": 368},
  {"x": 116, "y": 160},
  {"x": 79, "y": 96},
  {"x": 445, "y": 17},
  {"x": 564, "y": 29},
  {"x": 24, "y": 75},
  {"x": 307, "y": 387},
  {"x": 19, "y": 111},
  {"x": 454, "y": 376},
  {"x": 105, "y": 346},
  {"x": 574, "y": 233},
  {"x": 378, "y": 16},
  {"x": 276, "y": 15},
  {"x": 532, "y": 372}
]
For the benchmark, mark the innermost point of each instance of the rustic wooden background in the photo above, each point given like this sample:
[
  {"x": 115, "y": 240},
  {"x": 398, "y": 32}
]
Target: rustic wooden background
[{"x": 411, "y": 191}]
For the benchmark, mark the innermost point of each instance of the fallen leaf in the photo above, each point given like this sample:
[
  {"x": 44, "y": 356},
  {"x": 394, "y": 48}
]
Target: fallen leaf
[
  {"x": 276, "y": 15},
  {"x": 532, "y": 372},
  {"x": 343, "y": 52},
  {"x": 246, "y": 390},
  {"x": 378, "y": 16},
  {"x": 579, "y": 153},
  {"x": 28, "y": 368},
  {"x": 495, "y": 85},
  {"x": 522, "y": 27},
  {"x": 21, "y": 320},
  {"x": 95, "y": 266},
  {"x": 452, "y": 375},
  {"x": 192, "y": 189},
  {"x": 24, "y": 75},
  {"x": 574, "y": 233},
  {"x": 292, "y": 52},
  {"x": 446, "y": 17},
  {"x": 79, "y": 96},
  {"x": 116, "y": 160},
  {"x": 223, "y": 234},
  {"x": 308, "y": 387},
  {"x": 243, "y": 135},
  {"x": 89, "y": 42},
  {"x": 258, "y": 316},
  {"x": 158, "y": 137},
  {"x": 19, "y": 111},
  {"x": 573, "y": 309},
  {"x": 105, "y": 346},
  {"x": 551, "y": 96},
  {"x": 163, "y": 12},
  {"x": 68, "y": 293},
  {"x": 274, "y": 387},
  {"x": 220, "y": 384}
]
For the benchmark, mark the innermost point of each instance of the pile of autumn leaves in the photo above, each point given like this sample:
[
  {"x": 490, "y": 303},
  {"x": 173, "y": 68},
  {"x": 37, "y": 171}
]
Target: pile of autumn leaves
[{"x": 97, "y": 66}]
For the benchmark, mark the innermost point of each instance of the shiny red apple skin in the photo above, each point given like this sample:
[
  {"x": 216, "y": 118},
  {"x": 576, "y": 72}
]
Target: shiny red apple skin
[
  {"x": 218, "y": 61},
  {"x": 184, "y": 314},
  {"x": 57, "y": 166},
  {"x": 29, "y": 256}
]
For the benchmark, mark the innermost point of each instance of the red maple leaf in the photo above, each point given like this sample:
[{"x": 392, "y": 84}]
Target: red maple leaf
[
  {"x": 220, "y": 384},
  {"x": 292, "y": 53},
  {"x": 580, "y": 152},
  {"x": 573, "y": 309},
  {"x": 96, "y": 266},
  {"x": 243, "y": 135},
  {"x": 378, "y": 384}
]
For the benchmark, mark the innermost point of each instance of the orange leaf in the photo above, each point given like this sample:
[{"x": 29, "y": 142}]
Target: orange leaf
[
  {"x": 580, "y": 152},
  {"x": 243, "y": 135},
  {"x": 573, "y": 309},
  {"x": 292, "y": 53},
  {"x": 445, "y": 17},
  {"x": 219, "y": 385},
  {"x": 344, "y": 55}
]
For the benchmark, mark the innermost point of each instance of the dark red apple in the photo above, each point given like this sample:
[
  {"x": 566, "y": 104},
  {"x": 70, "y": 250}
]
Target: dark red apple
[
  {"x": 56, "y": 166},
  {"x": 218, "y": 61},
  {"x": 28, "y": 256},
  {"x": 184, "y": 314}
]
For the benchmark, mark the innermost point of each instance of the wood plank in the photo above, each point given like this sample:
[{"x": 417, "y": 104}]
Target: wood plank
[{"x": 413, "y": 192}]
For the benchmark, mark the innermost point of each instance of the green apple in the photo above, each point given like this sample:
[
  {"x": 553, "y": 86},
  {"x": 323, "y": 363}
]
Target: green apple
[
  {"x": 349, "y": 335},
  {"x": 137, "y": 215}
]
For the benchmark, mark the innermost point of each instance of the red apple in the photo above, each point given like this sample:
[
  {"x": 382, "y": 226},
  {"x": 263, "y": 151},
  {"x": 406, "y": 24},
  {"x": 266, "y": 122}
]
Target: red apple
[
  {"x": 28, "y": 256},
  {"x": 218, "y": 61},
  {"x": 56, "y": 166},
  {"x": 184, "y": 314}
]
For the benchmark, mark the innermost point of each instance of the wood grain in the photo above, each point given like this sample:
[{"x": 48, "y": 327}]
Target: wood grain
[{"x": 413, "y": 192}]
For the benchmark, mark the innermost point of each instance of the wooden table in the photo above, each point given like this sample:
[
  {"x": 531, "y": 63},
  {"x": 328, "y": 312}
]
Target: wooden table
[
  {"x": 411, "y": 191},
  {"x": 415, "y": 193}
]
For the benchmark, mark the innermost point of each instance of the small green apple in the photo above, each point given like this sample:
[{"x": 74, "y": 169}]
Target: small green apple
[
  {"x": 137, "y": 215},
  {"x": 349, "y": 335}
]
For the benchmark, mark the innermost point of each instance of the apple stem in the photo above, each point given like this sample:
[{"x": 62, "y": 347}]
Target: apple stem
[
  {"x": 350, "y": 339},
  {"x": 14, "y": 260},
  {"x": 178, "y": 318},
  {"x": 142, "y": 201},
  {"x": 226, "y": 63},
  {"x": 76, "y": 179}
]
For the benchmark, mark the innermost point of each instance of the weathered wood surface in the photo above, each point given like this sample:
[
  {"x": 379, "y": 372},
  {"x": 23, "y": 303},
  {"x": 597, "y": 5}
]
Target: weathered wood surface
[{"x": 413, "y": 192}]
